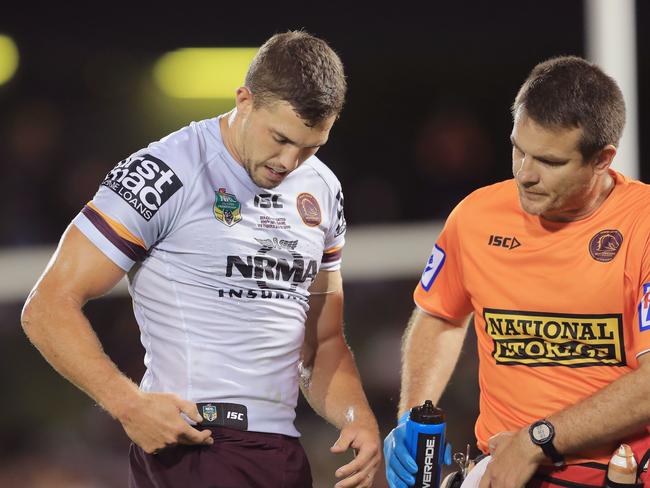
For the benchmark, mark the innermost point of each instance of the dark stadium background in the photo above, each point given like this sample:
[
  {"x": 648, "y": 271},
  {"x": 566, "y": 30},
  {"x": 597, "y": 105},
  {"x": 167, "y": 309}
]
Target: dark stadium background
[{"x": 427, "y": 121}]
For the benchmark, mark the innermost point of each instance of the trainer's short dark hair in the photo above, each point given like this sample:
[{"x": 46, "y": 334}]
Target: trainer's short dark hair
[
  {"x": 302, "y": 70},
  {"x": 567, "y": 92}
]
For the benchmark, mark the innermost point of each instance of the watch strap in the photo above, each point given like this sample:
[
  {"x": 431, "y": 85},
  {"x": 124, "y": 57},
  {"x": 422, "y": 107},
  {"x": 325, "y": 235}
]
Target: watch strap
[
  {"x": 548, "y": 448},
  {"x": 552, "y": 453}
]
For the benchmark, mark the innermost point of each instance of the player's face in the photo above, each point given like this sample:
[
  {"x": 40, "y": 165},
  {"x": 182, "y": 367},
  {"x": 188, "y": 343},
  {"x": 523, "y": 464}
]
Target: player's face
[
  {"x": 552, "y": 177},
  {"x": 274, "y": 141}
]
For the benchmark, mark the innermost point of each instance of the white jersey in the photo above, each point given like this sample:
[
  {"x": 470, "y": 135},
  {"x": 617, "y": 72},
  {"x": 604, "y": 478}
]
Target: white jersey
[{"x": 218, "y": 268}]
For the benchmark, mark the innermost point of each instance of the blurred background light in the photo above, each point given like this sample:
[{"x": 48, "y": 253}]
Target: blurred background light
[
  {"x": 203, "y": 72},
  {"x": 8, "y": 58}
]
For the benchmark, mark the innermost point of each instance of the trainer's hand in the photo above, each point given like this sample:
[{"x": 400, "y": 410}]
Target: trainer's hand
[
  {"x": 514, "y": 460},
  {"x": 364, "y": 439},
  {"x": 400, "y": 465},
  {"x": 154, "y": 422}
]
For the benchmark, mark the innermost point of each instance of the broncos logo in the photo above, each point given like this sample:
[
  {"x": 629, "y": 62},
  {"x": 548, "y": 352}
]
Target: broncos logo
[{"x": 605, "y": 244}]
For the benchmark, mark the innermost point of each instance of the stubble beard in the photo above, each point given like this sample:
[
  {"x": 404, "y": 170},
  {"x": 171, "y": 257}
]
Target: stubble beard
[
  {"x": 532, "y": 208},
  {"x": 251, "y": 168}
]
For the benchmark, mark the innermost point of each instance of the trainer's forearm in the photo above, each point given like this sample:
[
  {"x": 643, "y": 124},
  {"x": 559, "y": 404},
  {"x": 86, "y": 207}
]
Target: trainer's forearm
[
  {"x": 56, "y": 325},
  {"x": 620, "y": 409},
  {"x": 334, "y": 389},
  {"x": 430, "y": 350}
]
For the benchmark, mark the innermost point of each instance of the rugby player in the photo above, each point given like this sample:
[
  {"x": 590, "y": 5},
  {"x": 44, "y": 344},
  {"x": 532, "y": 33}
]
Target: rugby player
[
  {"x": 230, "y": 233},
  {"x": 554, "y": 264}
]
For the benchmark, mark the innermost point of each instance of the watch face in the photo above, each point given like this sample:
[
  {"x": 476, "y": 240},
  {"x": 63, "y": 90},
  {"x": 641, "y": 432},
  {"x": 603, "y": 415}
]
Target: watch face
[{"x": 541, "y": 432}]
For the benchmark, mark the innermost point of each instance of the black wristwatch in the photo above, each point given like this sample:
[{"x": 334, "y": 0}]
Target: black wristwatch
[{"x": 542, "y": 433}]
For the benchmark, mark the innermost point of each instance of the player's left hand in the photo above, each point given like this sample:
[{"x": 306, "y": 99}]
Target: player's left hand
[
  {"x": 514, "y": 460},
  {"x": 364, "y": 439}
]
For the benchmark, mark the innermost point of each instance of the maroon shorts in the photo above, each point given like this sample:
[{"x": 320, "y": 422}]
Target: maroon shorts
[{"x": 237, "y": 459}]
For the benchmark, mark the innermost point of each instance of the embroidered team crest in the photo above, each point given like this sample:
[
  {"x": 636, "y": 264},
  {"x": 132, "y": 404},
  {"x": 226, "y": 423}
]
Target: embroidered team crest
[
  {"x": 644, "y": 308},
  {"x": 308, "y": 209},
  {"x": 605, "y": 244},
  {"x": 209, "y": 412},
  {"x": 227, "y": 208}
]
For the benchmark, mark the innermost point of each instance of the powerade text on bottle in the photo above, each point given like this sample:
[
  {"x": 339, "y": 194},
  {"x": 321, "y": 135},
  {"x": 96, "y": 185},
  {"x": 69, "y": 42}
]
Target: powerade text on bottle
[{"x": 425, "y": 440}]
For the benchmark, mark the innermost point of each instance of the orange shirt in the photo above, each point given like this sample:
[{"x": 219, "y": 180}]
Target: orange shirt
[{"x": 560, "y": 309}]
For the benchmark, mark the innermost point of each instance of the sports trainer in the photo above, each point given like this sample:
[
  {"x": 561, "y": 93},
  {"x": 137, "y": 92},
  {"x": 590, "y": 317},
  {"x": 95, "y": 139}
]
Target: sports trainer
[
  {"x": 230, "y": 232},
  {"x": 555, "y": 266}
]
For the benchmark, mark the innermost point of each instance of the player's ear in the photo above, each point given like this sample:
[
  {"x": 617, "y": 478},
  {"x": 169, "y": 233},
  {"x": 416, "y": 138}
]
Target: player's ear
[
  {"x": 602, "y": 160},
  {"x": 244, "y": 100}
]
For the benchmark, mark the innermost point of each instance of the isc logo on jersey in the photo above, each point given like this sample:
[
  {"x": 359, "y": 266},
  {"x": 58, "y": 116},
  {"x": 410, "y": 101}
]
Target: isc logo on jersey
[{"x": 144, "y": 182}]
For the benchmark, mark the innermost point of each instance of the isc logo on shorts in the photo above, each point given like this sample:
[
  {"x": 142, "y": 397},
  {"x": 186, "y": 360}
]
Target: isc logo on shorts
[
  {"x": 433, "y": 267},
  {"x": 144, "y": 182},
  {"x": 644, "y": 308}
]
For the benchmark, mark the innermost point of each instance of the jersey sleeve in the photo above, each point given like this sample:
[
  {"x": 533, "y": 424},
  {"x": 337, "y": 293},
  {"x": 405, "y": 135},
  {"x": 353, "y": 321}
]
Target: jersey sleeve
[
  {"x": 440, "y": 291},
  {"x": 335, "y": 236},
  {"x": 135, "y": 207}
]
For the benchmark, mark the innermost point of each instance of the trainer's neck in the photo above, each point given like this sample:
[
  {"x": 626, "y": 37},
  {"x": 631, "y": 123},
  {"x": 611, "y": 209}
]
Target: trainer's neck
[{"x": 594, "y": 199}]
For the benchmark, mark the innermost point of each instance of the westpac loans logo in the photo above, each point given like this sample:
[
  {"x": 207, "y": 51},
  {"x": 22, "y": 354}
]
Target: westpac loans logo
[
  {"x": 644, "y": 308},
  {"x": 433, "y": 267},
  {"x": 144, "y": 182},
  {"x": 545, "y": 339}
]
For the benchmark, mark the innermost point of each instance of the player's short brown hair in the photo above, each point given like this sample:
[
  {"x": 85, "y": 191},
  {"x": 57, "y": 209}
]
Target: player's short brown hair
[
  {"x": 567, "y": 92},
  {"x": 302, "y": 70}
]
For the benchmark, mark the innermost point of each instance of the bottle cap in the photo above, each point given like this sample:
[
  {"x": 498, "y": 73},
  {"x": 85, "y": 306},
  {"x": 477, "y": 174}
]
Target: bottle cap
[{"x": 427, "y": 414}]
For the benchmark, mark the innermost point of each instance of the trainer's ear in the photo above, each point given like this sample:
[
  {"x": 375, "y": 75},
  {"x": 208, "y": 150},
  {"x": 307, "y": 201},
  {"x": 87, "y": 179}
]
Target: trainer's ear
[{"x": 602, "y": 160}]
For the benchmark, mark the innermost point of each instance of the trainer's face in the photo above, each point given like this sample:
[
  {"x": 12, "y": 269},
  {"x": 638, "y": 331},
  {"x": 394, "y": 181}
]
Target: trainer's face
[
  {"x": 273, "y": 140},
  {"x": 552, "y": 178}
]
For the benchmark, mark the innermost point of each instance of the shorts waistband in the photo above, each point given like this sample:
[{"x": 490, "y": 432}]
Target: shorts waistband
[{"x": 232, "y": 415}]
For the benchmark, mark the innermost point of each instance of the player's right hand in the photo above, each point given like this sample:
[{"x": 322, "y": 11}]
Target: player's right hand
[
  {"x": 154, "y": 422},
  {"x": 400, "y": 465}
]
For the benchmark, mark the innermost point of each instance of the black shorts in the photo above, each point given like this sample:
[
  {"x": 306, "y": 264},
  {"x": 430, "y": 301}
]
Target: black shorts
[{"x": 237, "y": 459}]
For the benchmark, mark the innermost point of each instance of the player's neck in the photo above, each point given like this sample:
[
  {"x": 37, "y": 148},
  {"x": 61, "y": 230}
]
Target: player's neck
[{"x": 228, "y": 124}]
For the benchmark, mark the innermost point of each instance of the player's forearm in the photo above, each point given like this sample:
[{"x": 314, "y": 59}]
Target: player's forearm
[
  {"x": 334, "y": 390},
  {"x": 59, "y": 330},
  {"x": 430, "y": 350},
  {"x": 618, "y": 410}
]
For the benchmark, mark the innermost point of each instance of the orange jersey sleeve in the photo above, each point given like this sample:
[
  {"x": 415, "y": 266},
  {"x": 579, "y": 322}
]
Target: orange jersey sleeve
[{"x": 440, "y": 291}]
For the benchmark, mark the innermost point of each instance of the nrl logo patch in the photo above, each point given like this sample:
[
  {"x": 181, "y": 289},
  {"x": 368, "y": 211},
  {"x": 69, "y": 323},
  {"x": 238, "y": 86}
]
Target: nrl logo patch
[
  {"x": 209, "y": 412},
  {"x": 227, "y": 208}
]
